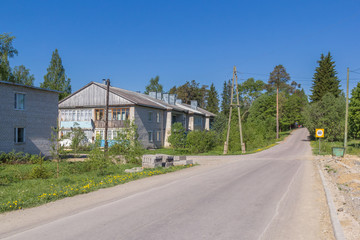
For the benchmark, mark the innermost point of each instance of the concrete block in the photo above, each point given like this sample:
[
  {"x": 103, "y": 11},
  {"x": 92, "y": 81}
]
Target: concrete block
[{"x": 179, "y": 158}]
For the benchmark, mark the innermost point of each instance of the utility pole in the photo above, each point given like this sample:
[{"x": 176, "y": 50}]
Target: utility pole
[
  {"x": 346, "y": 111},
  {"x": 226, "y": 145},
  {"x": 277, "y": 111},
  {"x": 107, "y": 114}
]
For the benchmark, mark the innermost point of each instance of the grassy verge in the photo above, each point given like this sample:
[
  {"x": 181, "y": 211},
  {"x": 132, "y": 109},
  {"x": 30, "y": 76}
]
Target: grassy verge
[
  {"x": 20, "y": 191},
  {"x": 220, "y": 149},
  {"x": 326, "y": 147}
]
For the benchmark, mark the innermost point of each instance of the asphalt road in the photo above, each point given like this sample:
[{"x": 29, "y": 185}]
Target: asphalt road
[{"x": 274, "y": 194}]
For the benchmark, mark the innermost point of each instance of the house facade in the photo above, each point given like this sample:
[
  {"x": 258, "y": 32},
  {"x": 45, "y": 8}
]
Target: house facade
[
  {"x": 27, "y": 115},
  {"x": 153, "y": 114}
]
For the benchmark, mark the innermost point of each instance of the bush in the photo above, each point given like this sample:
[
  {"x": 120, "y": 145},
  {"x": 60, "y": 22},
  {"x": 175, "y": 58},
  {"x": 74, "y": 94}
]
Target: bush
[
  {"x": 18, "y": 158},
  {"x": 40, "y": 172},
  {"x": 177, "y": 139},
  {"x": 201, "y": 141}
]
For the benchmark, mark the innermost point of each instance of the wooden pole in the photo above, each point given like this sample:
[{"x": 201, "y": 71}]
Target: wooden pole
[
  {"x": 238, "y": 107},
  {"x": 107, "y": 114},
  {"x": 226, "y": 145},
  {"x": 346, "y": 111},
  {"x": 277, "y": 112}
]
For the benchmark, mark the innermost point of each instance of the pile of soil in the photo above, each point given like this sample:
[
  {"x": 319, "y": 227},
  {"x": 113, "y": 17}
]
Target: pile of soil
[{"x": 343, "y": 179}]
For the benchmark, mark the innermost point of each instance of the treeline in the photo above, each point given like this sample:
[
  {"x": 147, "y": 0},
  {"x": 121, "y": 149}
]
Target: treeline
[{"x": 54, "y": 79}]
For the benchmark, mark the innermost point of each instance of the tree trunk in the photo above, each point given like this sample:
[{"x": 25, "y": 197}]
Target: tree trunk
[{"x": 277, "y": 112}]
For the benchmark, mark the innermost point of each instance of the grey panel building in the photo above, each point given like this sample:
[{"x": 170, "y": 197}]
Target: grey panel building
[
  {"x": 153, "y": 114},
  {"x": 26, "y": 116}
]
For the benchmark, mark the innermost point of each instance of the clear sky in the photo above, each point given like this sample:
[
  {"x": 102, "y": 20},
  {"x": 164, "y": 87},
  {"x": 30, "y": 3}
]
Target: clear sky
[{"x": 131, "y": 41}]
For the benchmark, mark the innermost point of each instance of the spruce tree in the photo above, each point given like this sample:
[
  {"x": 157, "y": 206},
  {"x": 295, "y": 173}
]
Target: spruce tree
[
  {"x": 55, "y": 78},
  {"x": 213, "y": 100},
  {"x": 225, "y": 98},
  {"x": 325, "y": 79},
  {"x": 354, "y": 112}
]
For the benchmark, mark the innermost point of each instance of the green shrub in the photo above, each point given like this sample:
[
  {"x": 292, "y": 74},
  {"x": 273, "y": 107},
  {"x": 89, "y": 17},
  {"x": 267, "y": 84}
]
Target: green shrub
[
  {"x": 201, "y": 141},
  {"x": 177, "y": 139},
  {"x": 40, "y": 172}
]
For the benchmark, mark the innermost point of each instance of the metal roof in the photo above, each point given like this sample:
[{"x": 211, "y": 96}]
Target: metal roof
[{"x": 32, "y": 87}]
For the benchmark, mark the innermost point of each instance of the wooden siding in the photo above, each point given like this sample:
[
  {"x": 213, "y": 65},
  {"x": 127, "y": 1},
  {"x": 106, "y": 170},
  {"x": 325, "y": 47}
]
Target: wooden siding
[
  {"x": 92, "y": 96},
  {"x": 111, "y": 124}
]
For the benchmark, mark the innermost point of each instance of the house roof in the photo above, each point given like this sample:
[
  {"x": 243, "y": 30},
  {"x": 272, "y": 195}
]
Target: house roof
[
  {"x": 31, "y": 87},
  {"x": 145, "y": 100}
]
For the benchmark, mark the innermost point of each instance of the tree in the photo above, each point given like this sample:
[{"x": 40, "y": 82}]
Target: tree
[
  {"x": 56, "y": 78},
  {"x": 354, "y": 112},
  {"x": 212, "y": 100},
  {"x": 154, "y": 86},
  {"x": 177, "y": 139},
  {"x": 78, "y": 137},
  {"x": 172, "y": 90},
  {"x": 325, "y": 79},
  {"x": 225, "y": 98},
  {"x": 278, "y": 79},
  {"x": 327, "y": 113},
  {"x": 22, "y": 75},
  {"x": 191, "y": 91},
  {"x": 292, "y": 110},
  {"x": 6, "y": 51},
  {"x": 250, "y": 90}
]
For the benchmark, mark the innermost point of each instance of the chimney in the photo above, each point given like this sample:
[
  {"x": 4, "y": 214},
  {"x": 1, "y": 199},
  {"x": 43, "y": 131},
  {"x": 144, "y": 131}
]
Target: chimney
[
  {"x": 172, "y": 99},
  {"x": 159, "y": 95},
  {"x": 166, "y": 98},
  {"x": 152, "y": 94},
  {"x": 194, "y": 104},
  {"x": 178, "y": 101}
]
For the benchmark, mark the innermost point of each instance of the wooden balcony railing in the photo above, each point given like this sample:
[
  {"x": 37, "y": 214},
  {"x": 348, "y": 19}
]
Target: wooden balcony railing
[{"x": 111, "y": 124}]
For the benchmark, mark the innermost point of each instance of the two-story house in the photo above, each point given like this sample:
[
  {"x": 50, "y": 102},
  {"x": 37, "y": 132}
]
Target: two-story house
[
  {"x": 153, "y": 114},
  {"x": 27, "y": 115}
]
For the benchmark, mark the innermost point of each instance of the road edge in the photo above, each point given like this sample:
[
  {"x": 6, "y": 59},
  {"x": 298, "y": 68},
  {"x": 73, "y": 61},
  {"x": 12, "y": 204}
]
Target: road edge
[{"x": 338, "y": 231}]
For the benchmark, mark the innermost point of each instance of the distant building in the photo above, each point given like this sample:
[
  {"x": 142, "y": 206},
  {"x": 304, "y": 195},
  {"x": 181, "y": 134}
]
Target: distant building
[
  {"x": 26, "y": 116},
  {"x": 153, "y": 114}
]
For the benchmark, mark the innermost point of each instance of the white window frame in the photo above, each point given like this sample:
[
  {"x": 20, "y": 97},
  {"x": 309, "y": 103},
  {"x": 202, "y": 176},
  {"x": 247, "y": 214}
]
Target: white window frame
[
  {"x": 150, "y": 136},
  {"x": 16, "y": 136},
  {"x": 158, "y": 136},
  {"x": 16, "y": 105},
  {"x": 158, "y": 117}
]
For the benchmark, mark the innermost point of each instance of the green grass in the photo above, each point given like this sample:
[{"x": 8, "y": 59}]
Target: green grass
[
  {"x": 18, "y": 190},
  {"x": 326, "y": 147},
  {"x": 218, "y": 150}
]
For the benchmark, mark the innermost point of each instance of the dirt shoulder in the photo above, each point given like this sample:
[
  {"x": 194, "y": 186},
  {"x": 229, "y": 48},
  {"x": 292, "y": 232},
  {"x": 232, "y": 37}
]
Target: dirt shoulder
[{"x": 343, "y": 179}]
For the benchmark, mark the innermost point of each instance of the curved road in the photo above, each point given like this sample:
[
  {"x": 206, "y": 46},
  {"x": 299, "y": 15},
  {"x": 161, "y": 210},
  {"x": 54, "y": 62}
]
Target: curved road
[{"x": 274, "y": 194}]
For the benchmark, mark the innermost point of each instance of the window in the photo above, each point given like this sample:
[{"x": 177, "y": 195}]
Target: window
[
  {"x": 99, "y": 114},
  {"x": 150, "y": 136},
  {"x": 197, "y": 120},
  {"x": 19, "y": 101},
  {"x": 157, "y": 117},
  {"x": 150, "y": 116},
  {"x": 19, "y": 135},
  {"x": 158, "y": 136}
]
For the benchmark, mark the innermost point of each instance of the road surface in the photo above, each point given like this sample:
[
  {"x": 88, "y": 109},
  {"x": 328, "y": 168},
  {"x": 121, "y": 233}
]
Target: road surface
[{"x": 273, "y": 194}]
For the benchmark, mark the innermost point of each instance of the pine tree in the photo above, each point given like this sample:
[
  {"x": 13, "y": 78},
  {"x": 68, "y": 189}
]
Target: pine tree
[
  {"x": 212, "y": 100},
  {"x": 325, "y": 79},
  {"x": 354, "y": 112},
  {"x": 278, "y": 78},
  {"x": 55, "y": 78},
  {"x": 154, "y": 86}
]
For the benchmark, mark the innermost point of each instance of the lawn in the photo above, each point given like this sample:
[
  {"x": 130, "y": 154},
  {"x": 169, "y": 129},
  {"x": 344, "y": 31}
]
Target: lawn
[
  {"x": 326, "y": 147},
  {"x": 218, "y": 150},
  {"x": 19, "y": 190}
]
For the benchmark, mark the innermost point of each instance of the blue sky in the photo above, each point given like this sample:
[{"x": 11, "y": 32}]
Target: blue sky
[{"x": 133, "y": 41}]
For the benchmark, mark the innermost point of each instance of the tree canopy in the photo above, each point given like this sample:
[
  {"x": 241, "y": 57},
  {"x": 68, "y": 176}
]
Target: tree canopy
[
  {"x": 56, "y": 78},
  {"x": 22, "y": 75},
  {"x": 212, "y": 100},
  {"x": 154, "y": 86},
  {"x": 354, "y": 112},
  {"x": 325, "y": 79},
  {"x": 6, "y": 51}
]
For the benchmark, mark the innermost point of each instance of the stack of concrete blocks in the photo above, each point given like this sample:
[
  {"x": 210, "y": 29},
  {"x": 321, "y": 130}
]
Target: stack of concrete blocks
[
  {"x": 167, "y": 160},
  {"x": 151, "y": 161},
  {"x": 181, "y": 161}
]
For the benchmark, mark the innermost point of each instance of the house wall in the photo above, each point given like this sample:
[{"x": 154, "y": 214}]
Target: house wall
[
  {"x": 39, "y": 115},
  {"x": 145, "y": 126}
]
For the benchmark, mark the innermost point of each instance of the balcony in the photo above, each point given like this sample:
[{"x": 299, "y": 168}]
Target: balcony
[{"x": 111, "y": 124}]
